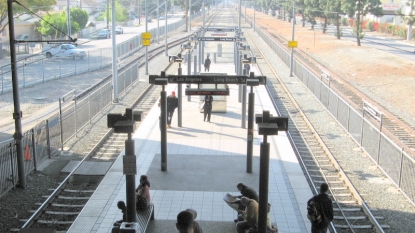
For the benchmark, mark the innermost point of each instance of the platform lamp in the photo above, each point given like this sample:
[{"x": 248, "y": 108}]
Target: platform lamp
[
  {"x": 188, "y": 47},
  {"x": 239, "y": 69},
  {"x": 267, "y": 125},
  {"x": 125, "y": 123}
]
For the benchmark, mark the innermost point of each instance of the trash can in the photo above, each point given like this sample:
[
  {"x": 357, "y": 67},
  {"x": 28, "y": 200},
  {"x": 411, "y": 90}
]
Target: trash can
[{"x": 130, "y": 227}]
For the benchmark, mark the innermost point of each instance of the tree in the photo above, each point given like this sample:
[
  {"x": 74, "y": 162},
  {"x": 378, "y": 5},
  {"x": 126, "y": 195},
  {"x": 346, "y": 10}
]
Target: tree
[
  {"x": 80, "y": 16},
  {"x": 361, "y": 8},
  {"x": 408, "y": 19},
  {"x": 121, "y": 13},
  {"x": 33, "y": 5},
  {"x": 55, "y": 24}
]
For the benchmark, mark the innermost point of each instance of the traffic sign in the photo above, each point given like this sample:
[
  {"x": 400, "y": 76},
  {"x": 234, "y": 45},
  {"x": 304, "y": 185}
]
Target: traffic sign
[
  {"x": 292, "y": 44},
  {"x": 146, "y": 38},
  {"x": 146, "y": 35}
]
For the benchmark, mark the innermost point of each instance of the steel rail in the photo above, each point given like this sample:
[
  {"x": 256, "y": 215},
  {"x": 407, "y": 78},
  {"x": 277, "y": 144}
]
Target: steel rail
[{"x": 355, "y": 193}]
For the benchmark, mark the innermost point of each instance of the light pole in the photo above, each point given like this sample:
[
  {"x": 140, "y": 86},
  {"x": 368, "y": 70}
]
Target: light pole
[
  {"x": 179, "y": 60},
  {"x": 292, "y": 48}
]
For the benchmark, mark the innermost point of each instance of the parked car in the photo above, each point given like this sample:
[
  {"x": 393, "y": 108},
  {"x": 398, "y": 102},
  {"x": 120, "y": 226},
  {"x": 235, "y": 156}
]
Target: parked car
[
  {"x": 63, "y": 50},
  {"x": 22, "y": 37},
  {"x": 104, "y": 33},
  {"x": 149, "y": 20},
  {"x": 119, "y": 30},
  {"x": 162, "y": 17}
]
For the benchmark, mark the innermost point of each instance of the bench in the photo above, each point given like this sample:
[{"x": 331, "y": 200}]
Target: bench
[{"x": 143, "y": 218}]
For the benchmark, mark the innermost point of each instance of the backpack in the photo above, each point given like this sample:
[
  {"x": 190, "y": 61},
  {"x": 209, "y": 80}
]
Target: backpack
[
  {"x": 141, "y": 203},
  {"x": 313, "y": 212}
]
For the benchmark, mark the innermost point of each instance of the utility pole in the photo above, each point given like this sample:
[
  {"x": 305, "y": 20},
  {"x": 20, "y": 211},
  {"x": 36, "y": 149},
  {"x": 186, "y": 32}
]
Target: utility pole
[
  {"x": 358, "y": 23},
  {"x": 17, "y": 115},
  {"x": 108, "y": 14}
]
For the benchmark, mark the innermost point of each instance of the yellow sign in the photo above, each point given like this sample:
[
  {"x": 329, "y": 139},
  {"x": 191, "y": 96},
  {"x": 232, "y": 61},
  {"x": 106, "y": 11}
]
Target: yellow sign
[
  {"x": 145, "y": 42},
  {"x": 292, "y": 44},
  {"x": 146, "y": 35}
]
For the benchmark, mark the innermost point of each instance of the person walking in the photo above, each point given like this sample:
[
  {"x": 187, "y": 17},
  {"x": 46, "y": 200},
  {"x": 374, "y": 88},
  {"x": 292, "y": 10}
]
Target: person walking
[
  {"x": 207, "y": 64},
  {"x": 207, "y": 107},
  {"x": 324, "y": 209},
  {"x": 172, "y": 104}
]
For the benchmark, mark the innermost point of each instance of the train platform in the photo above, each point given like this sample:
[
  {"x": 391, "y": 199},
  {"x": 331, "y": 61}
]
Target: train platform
[{"x": 205, "y": 161}]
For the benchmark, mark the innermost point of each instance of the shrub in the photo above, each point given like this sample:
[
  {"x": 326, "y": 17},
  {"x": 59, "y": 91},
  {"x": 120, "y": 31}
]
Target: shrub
[
  {"x": 344, "y": 22},
  {"x": 370, "y": 26},
  {"x": 376, "y": 26},
  {"x": 364, "y": 24}
]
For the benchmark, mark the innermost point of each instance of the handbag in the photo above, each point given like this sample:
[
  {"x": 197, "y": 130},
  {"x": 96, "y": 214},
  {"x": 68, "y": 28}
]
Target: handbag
[{"x": 141, "y": 203}]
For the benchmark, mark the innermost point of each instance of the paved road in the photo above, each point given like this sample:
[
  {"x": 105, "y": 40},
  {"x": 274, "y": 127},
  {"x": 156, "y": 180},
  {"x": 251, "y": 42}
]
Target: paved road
[{"x": 400, "y": 48}]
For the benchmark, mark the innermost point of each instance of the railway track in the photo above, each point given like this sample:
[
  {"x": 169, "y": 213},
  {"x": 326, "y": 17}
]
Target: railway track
[
  {"x": 352, "y": 214},
  {"x": 64, "y": 203},
  {"x": 397, "y": 128}
]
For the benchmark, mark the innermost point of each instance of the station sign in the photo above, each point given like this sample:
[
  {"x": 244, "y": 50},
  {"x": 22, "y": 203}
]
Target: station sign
[
  {"x": 223, "y": 39},
  {"x": 207, "y": 79},
  {"x": 220, "y": 29},
  {"x": 195, "y": 91}
]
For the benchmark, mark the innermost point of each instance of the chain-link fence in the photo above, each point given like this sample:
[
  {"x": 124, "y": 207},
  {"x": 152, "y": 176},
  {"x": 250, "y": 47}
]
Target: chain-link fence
[
  {"x": 48, "y": 137},
  {"x": 397, "y": 164}
]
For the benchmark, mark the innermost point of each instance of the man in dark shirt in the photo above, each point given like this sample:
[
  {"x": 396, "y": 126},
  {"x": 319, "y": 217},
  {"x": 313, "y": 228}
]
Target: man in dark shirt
[
  {"x": 246, "y": 191},
  {"x": 325, "y": 208},
  {"x": 207, "y": 108},
  {"x": 172, "y": 104}
]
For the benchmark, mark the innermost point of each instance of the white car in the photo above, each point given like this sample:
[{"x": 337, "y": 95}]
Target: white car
[
  {"x": 119, "y": 30},
  {"x": 104, "y": 33},
  {"x": 64, "y": 50}
]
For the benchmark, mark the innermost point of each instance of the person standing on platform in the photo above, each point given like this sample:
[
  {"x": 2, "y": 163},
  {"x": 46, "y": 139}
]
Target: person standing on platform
[
  {"x": 207, "y": 107},
  {"x": 247, "y": 68},
  {"x": 207, "y": 64},
  {"x": 172, "y": 104},
  {"x": 324, "y": 208}
]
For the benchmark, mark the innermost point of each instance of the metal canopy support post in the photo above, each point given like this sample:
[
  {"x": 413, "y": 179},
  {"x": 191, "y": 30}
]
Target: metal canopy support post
[
  {"x": 17, "y": 115},
  {"x": 200, "y": 57},
  {"x": 189, "y": 70},
  {"x": 165, "y": 28},
  {"x": 267, "y": 125},
  {"x": 179, "y": 93},
  {"x": 163, "y": 129},
  {"x": 125, "y": 123},
  {"x": 203, "y": 52}
]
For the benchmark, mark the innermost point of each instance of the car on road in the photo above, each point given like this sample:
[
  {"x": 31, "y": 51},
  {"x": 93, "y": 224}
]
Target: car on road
[
  {"x": 162, "y": 17},
  {"x": 63, "y": 50},
  {"x": 119, "y": 30},
  {"x": 22, "y": 37},
  {"x": 149, "y": 20},
  {"x": 104, "y": 33}
]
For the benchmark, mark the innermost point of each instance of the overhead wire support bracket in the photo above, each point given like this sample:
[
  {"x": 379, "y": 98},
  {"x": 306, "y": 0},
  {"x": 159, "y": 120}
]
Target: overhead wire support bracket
[{"x": 47, "y": 41}]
